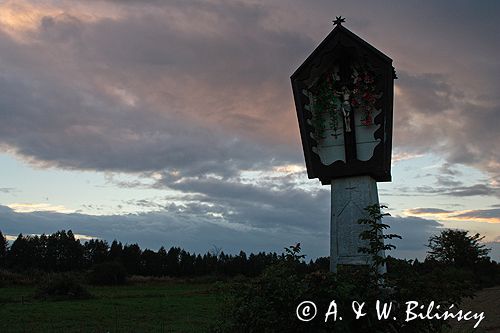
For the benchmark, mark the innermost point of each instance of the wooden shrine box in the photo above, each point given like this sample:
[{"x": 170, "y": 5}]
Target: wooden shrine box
[{"x": 344, "y": 96}]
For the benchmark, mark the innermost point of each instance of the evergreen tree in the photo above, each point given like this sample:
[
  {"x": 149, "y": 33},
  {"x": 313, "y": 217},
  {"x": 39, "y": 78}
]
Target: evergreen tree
[
  {"x": 115, "y": 251},
  {"x": 22, "y": 255},
  {"x": 150, "y": 262},
  {"x": 64, "y": 252},
  {"x": 172, "y": 260},
  {"x": 95, "y": 252},
  {"x": 131, "y": 258},
  {"x": 3, "y": 250}
]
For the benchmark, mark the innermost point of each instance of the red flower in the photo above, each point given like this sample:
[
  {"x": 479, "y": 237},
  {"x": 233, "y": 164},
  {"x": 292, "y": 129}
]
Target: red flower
[{"x": 367, "y": 121}]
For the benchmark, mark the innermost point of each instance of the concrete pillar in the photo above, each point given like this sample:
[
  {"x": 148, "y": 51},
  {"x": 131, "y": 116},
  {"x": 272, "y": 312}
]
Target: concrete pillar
[{"x": 349, "y": 198}]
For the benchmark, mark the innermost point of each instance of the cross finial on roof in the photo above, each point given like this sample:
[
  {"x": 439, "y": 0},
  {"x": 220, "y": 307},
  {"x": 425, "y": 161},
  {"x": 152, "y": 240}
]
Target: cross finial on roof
[{"x": 338, "y": 20}]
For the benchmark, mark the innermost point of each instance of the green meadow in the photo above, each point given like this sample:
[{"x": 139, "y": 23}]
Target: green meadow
[{"x": 148, "y": 307}]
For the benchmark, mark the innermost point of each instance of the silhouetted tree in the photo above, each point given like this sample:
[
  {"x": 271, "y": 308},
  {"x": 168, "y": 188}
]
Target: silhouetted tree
[
  {"x": 131, "y": 258},
  {"x": 3, "y": 250},
  {"x": 95, "y": 252},
  {"x": 200, "y": 266},
  {"x": 186, "y": 263},
  {"x": 150, "y": 263},
  {"x": 116, "y": 251},
  {"x": 64, "y": 252},
  {"x": 210, "y": 263},
  {"x": 172, "y": 261},
  {"x": 22, "y": 255},
  {"x": 457, "y": 248},
  {"x": 162, "y": 260}
]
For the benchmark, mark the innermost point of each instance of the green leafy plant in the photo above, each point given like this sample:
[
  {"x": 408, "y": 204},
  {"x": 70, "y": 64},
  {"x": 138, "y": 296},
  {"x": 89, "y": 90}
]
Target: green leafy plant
[
  {"x": 268, "y": 303},
  {"x": 375, "y": 237}
]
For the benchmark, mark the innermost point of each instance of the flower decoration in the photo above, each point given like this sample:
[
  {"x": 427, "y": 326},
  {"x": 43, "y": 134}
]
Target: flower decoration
[
  {"x": 333, "y": 99},
  {"x": 364, "y": 97}
]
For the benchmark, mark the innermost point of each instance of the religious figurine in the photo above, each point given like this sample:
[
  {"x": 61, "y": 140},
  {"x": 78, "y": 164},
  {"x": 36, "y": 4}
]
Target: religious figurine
[
  {"x": 335, "y": 74},
  {"x": 346, "y": 108}
]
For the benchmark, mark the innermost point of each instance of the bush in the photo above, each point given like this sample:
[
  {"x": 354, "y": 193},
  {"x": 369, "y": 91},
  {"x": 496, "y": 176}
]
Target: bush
[
  {"x": 269, "y": 302},
  {"x": 61, "y": 287},
  {"x": 107, "y": 273},
  {"x": 8, "y": 278},
  {"x": 266, "y": 302}
]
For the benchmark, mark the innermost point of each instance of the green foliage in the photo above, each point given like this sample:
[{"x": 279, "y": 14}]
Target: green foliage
[
  {"x": 326, "y": 108},
  {"x": 107, "y": 273},
  {"x": 279, "y": 288},
  {"x": 267, "y": 302},
  {"x": 458, "y": 249},
  {"x": 422, "y": 283},
  {"x": 61, "y": 286},
  {"x": 375, "y": 237},
  {"x": 270, "y": 301}
]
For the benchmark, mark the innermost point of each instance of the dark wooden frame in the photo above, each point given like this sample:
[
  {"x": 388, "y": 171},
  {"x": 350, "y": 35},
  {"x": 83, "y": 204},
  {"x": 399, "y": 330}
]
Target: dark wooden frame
[{"x": 341, "y": 45}]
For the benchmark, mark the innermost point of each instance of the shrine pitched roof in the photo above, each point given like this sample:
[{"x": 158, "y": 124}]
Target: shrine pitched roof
[{"x": 334, "y": 38}]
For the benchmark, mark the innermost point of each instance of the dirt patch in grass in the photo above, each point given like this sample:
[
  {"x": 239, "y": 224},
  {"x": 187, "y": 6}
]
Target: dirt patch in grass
[{"x": 487, "y": 301}]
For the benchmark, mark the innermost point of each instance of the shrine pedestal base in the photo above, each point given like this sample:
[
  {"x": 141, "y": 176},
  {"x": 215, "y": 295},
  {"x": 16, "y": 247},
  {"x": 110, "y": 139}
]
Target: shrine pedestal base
[{"x": 350, "y": 197}]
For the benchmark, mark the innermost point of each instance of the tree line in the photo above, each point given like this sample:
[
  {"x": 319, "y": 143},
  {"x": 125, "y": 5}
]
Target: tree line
[{"x": 62, "y": 252}]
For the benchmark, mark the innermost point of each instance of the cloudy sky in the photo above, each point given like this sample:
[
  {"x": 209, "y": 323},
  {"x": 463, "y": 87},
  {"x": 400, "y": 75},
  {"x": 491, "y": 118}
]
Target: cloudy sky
[{"x": 173, "y": 123}]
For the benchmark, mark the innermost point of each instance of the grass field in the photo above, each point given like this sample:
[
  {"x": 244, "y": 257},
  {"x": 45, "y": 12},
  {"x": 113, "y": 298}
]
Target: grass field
[
  {"x": 151, "y": 307},
  {"x": 173, "y": 306}
]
